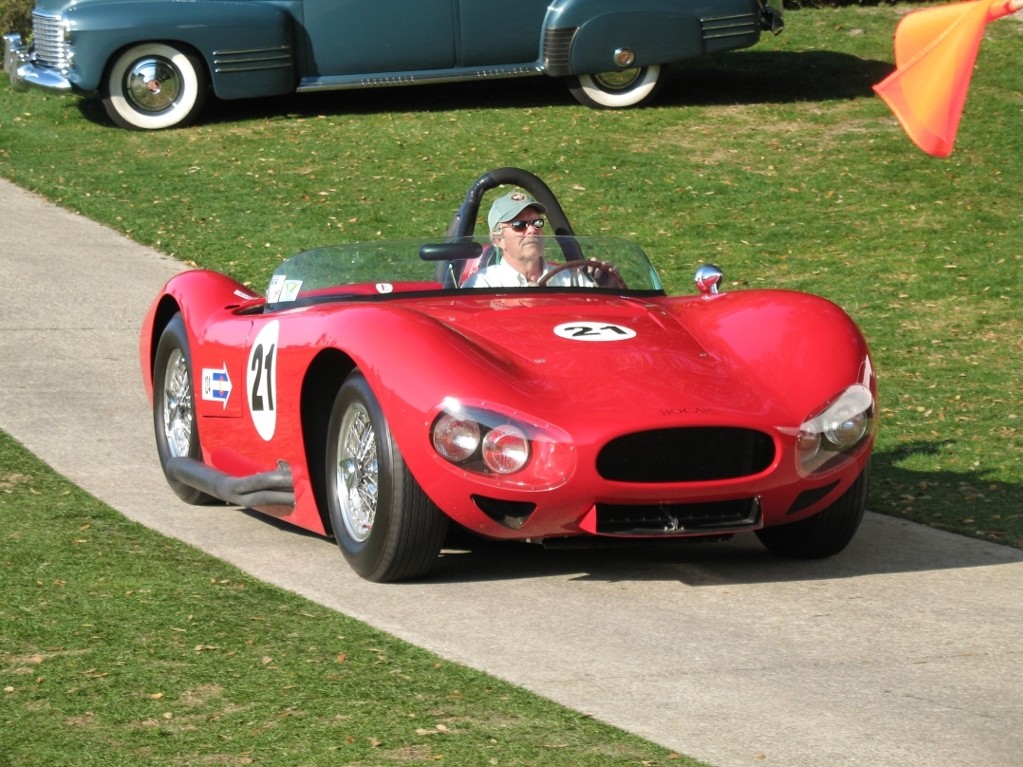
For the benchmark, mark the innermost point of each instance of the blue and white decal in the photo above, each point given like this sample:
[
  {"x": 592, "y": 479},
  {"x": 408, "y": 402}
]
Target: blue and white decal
[
  {"x": 585, "y": 330},
  {"x": 216, "y": 385},
  {"x": 261, "y": 380}
]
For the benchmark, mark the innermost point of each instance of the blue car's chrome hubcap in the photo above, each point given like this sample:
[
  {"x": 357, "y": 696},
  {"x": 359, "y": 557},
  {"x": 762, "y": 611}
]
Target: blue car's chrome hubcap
[{"x": 153, "y": 85}]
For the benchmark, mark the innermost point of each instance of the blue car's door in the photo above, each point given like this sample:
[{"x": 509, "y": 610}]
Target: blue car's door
[
  {"x": 351, "y": 37},
  {"x": 500, "y": 33}
]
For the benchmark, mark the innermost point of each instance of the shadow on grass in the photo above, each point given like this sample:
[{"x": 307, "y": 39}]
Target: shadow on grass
[
  {"x": 975, "y": 503},
  {"x": 745, "y": 77}
]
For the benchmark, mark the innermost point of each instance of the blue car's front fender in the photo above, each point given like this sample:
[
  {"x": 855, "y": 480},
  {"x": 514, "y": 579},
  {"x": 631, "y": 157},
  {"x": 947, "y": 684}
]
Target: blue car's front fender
[{"x": 248, "y": 48}]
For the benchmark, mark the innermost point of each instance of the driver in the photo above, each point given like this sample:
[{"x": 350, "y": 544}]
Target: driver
[{"x": 516, "y": 232}]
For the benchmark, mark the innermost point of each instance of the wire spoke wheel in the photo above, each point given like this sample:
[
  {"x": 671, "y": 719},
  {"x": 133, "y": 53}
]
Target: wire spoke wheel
[
  {"x": 382, "y": 521},
  {"x": 178, "y": 413},
  {"x": 174, "y": 416},
  {"x": 357, "y": 473}
]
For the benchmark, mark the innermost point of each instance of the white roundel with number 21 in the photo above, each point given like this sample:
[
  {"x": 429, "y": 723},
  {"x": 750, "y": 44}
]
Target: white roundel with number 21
[
  {"x": 585, "y": 330},
  {"x": 261, "y": 380}
]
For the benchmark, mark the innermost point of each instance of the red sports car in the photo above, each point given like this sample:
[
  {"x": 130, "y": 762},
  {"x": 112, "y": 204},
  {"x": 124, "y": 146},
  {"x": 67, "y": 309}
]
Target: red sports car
[{"x": 374, "y": 396}]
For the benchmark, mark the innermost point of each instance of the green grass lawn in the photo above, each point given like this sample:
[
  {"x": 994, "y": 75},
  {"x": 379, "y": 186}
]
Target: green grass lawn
[{"x": 120, "y": 647}]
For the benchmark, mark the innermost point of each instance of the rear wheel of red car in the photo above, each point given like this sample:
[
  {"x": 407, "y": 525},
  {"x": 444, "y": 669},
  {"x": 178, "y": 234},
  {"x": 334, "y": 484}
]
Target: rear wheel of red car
[
  {"x": 384, "y": 524},
  {"x": 823, "y": 534},
  {"x": 617, "y": 90},
  {"x": 154, "y": 86},
  {"x": 177, "y": 433}
]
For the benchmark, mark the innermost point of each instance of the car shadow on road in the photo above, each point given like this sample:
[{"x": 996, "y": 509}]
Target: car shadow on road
[{"x": 883, "y": 545}]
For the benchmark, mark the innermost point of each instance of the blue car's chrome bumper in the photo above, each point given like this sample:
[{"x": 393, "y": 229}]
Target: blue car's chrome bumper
[{"x": 23, "y": 72}]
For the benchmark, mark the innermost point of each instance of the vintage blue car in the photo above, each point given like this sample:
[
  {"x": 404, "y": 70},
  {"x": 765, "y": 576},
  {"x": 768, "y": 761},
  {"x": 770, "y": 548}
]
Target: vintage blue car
[{"x": 153, "y": 62}]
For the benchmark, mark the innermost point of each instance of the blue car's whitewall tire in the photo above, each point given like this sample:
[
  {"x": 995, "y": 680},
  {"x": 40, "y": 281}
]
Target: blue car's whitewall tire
[
  {"x": 152, "y": 86},
  {"x": 384, "y": 524},
  {"x": 617, "y": 90}
]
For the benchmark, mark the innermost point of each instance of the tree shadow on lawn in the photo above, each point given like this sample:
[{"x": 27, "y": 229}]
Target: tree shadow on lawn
[
  {"x": 744, "y": 77},
  {"x": 739, "y": 78}
]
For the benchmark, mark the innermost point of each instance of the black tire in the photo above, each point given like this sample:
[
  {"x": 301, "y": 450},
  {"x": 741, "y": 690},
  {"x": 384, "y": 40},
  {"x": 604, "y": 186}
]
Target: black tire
[
  {"x": 384, "y": 524},
  {"x": 152, "y": 86},
  {"x": 617, "y": 90},
  {"x": 174, "y": 421},
  {"x": 824, "y": 534}
]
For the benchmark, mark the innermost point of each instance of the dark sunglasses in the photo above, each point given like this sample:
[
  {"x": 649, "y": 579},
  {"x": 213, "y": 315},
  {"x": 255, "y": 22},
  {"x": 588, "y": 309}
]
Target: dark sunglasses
[{"x": 521, "y": 226}]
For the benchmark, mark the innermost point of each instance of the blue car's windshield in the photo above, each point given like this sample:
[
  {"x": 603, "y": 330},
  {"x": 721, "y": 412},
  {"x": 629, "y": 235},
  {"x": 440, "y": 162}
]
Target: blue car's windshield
[{"x": 381, "y": 268}]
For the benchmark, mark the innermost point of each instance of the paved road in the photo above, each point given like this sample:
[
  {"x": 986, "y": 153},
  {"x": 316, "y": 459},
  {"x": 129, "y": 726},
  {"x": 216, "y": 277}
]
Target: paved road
[{"x": 905, "y": 650}]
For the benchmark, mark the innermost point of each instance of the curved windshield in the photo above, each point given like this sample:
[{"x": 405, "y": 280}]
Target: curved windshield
[{"x": 382, "y": 268}]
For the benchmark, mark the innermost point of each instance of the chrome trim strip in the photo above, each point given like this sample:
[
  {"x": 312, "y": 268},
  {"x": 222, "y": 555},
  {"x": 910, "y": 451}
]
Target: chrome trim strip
[
  {"x": 720, "y": 27},
  {"x": 252, "y": 60},
  {"x": 349, "y": 82}
]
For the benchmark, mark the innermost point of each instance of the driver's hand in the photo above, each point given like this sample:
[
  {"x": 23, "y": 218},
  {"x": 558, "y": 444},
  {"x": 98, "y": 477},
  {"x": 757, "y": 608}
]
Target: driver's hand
[{"x": 601, "y": 273}]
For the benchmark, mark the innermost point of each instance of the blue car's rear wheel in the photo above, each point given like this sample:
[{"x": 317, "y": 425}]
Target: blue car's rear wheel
[
  {"x": 824, "y": 534},
  {"x": 617, "y": 90},
  {"x": 177, "y": 433},
  {"x": 384, "y": 524}
]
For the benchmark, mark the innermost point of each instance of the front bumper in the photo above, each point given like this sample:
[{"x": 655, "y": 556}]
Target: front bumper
[{"x": 24, "y": 73}]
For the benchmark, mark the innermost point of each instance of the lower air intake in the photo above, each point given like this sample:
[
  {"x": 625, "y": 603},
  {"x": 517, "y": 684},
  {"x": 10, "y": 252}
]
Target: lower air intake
[{"x": 679, "y": 518}]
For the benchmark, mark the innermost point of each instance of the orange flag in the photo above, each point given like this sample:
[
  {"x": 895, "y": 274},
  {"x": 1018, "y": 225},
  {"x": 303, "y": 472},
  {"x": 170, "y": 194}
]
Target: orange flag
[{"x": 935, "y": 50}]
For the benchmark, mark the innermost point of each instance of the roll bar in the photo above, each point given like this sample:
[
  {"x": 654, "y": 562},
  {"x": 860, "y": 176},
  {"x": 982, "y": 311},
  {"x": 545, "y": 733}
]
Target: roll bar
[{"x": 464, "y": 221}]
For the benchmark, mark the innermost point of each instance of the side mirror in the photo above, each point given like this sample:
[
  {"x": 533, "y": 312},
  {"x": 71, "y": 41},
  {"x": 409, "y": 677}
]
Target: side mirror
[{"x": 708, "y": 279}]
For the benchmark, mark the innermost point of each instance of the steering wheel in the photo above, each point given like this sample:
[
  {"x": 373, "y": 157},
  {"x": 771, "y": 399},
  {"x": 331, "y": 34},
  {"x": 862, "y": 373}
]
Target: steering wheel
[{"x": 608, "y": 271}]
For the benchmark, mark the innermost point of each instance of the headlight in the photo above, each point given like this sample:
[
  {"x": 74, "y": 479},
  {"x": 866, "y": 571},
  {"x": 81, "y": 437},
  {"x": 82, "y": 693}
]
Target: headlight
[
  {"x": 508, "y": 449},
  {"x": 479, "y": 440},
  {"x": 838, "y": 429},
  {"x": 456, "y": 438},
  {"x": 505, "y": 449}
]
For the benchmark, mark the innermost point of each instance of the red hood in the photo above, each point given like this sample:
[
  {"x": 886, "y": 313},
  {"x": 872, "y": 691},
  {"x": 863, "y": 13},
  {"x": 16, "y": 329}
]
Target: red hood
[{"x": 648, "y": 363}]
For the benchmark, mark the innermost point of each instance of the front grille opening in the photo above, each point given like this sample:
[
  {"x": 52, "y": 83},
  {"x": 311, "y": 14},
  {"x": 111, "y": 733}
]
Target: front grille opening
[
  {"x": 678, "y": 518},
  {"x": 48, "y": 43},
  {"x": 695, "y": 454}
]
